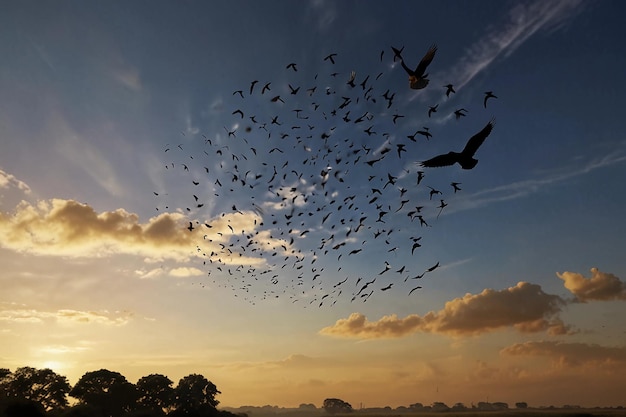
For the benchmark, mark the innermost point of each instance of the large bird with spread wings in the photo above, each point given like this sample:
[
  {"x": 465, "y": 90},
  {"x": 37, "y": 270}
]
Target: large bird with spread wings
[
  {"x": 417, "y": 78},
  {"x": 465, "y": 158}
]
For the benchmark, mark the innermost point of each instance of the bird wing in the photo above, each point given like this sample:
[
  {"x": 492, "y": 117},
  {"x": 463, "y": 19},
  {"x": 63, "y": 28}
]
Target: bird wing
[
  {"x": 475, "y": 141},
  {"x": 397, "y": 52},
  {"x": 421, "y": 67},
  {"x": 407, "y": 69},
  {"x": 443, "y": 160}
]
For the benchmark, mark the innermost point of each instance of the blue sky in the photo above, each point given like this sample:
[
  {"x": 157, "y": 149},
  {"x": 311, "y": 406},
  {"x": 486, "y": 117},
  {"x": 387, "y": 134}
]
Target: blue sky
[{"x": 101, "y": 272}]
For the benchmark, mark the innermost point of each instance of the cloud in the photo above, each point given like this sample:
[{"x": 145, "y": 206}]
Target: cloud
[
  {"x": 69, "y": 228},
  {"x": 324, "y": 13},
  {"x": 293, "y": 362},
  {"x": 600, "y": 287},
  {"x": 128, "y": 76},
  {"x": 524, "y": 20},
  {"x": 569, "y": 354},
  {"x": 59, "y": 227},
  {"x": 88, "y": 156},
  {"x": 8, "y": 181},
  {"x": 65, "y": 316},
  {"x": 184, "y": 272},
  {"x": 149, "y": 274},
  {"x": 63, "y": 349},
  {"x": 524, "y": 188},
  {"x": 525, "y": 307}
]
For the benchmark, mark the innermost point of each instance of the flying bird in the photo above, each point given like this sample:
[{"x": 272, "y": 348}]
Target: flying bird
[
  {"x": 441, "y": 207},
  {"x": 488, "y": 95},
  {"x": 465, "y": 158},
  {"x": 397, "y": 53},
  {"x": 330, "y": 57},
  {"x": 417, "y": 77},
  {"x": 460, "y": 113},
  {"x": 449, "y": 89},
  {"x": 416, "y": 288},
  {"x": 432, "y": 109},
  {"x": 426, "y": 133},
  {"x": 252, "y": 85}
]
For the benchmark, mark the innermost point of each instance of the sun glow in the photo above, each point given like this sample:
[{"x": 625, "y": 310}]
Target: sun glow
[{"x": 57, "y": 366}]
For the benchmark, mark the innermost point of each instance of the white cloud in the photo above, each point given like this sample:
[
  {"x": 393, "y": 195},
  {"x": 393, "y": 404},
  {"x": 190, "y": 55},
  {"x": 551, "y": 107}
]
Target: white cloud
[
  {"x": 324, "y": 13},
  {"x": 524, "y": 20},
  {"x": 525, "y": 188},
  {"x": 184, "y": 272},
  {"x": 10, "y": 181}
]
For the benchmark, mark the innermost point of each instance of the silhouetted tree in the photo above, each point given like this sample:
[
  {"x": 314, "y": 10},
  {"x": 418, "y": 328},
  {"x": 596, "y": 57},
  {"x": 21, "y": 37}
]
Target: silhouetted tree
[
  {"x": 458, "y": 407},
  {"x": 416, "y": 406},
  {"x": 107, "y": 391},
  {"x": 439, "y": 406},
  {"x": 5, "y": 374},
  {"x": 155, "y": 392},
  {"x": 42, "y": 386},
  {"x": 500, "y": 406},
  {"x": 521, "y": 405},
  {"x": 335, "y": 405},
  {"x": 195, "y": 395},
  {"x": 24, "y": 408}
]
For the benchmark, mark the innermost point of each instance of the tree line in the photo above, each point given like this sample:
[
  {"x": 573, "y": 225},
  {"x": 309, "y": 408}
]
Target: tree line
[{"x": 31, "y": 392}]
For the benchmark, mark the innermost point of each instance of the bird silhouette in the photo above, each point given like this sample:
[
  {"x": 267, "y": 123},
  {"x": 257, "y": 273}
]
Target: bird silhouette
[
  {"x": 330, "y": 57},
  {"x": 252, "y": 85},
  {"x": 397, "y": 53},
  {"x": 465, "y": 158},
  {"x": 460, "y": 113},
  {"x": 488, "y": 95},
  {"x": 417, "y": 77}
]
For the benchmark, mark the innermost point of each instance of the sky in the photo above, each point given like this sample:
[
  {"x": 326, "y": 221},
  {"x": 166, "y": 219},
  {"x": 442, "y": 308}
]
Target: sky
[{"x": 146, "y": 226}]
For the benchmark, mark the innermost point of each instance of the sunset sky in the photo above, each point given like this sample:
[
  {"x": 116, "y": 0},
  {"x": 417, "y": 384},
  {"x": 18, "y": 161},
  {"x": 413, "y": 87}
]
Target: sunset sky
[{"x": 298, "y": 279}]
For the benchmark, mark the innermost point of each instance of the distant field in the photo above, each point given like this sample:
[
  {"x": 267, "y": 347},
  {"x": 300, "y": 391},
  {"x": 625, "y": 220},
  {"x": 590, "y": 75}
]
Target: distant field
[
  {"x": 580, "y": 412},
  {"x": 558, "y": 412}
]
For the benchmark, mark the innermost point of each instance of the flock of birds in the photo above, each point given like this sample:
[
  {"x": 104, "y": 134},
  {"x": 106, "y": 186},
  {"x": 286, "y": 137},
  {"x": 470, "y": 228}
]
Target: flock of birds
[{"x": 326, "y": 170}]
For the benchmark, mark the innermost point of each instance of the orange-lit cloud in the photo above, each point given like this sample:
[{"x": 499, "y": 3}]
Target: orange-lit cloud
[
  {"x": 65, "y": 316},
  {"x": 601, "y": 286},
  {"x": 69, "y": 228},
  {"x": 570, "y": 354},
  {"x": 524, "y": 307}
]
